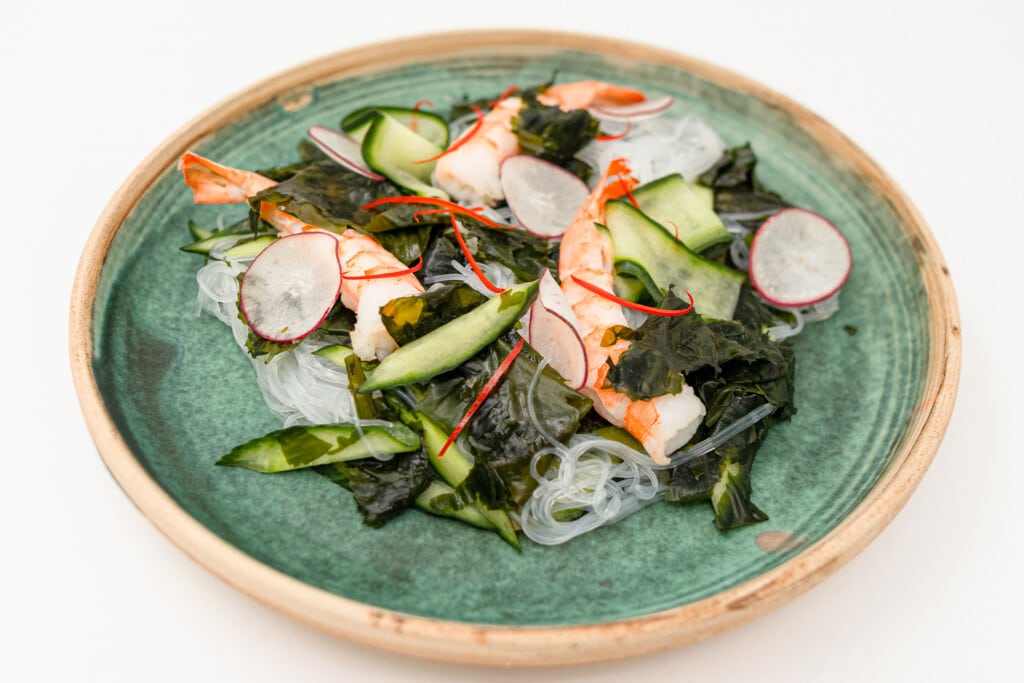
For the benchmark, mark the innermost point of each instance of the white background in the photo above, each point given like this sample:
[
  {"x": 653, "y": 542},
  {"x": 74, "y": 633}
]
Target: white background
[{"x": 92, "y": 592}]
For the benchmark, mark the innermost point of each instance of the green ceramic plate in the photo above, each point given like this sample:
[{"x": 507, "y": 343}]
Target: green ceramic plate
[{"x": 167, "y": 392}]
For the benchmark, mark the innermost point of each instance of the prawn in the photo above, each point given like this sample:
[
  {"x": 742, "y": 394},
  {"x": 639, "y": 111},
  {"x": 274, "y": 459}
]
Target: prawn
[
  {"x": 662, "y": 424},
  {"x": 360, "y": 255},
  {"x": 472, "y": 172}
]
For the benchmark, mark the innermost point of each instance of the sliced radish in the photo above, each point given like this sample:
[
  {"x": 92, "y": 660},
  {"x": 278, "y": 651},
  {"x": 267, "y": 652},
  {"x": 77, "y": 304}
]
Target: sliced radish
[
  {"x": 798, "y": 258},
  {"x": 555, "y": 333},
  {"x": 343, "y": 149},
  {"x": 543, "y": 197},
  {"x": 633, "y": 112},
  {"x": 291, "y": 286}
]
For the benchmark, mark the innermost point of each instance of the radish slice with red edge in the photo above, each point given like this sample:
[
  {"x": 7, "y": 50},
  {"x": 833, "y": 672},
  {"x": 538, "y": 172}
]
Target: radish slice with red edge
[
  {"x": 554, "y": 331},
  {"x": 543, "y": 197},
  {"x": 798, "y": 258},
  {"x": 342, "y": 149},
  {"x": 633, "y": 112},
  {"x": 289, "y": 289}
]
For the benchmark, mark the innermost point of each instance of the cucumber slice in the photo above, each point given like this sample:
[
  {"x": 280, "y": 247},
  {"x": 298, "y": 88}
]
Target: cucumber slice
[
  {"x": 454, "y": 342},
  {"x": 645, "y": 250},
  {"x": 336, "y": 353},
  {"x": 198, "y": 232},
  {"x": 454, "y": 467},
  {"x": 628, "y": 287},
  {"x": 299, "y": 447},
  {"x": 426, "y": 124},
  {"x": 436, "y": 499},
  {"x": 251, "y": 247},
  {"x": 678, "y": 205},
  {"x": 393, "y": 150},
  {"x": 206, "y": 245}
]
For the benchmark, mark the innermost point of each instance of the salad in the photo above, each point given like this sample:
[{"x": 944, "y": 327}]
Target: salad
[{"x": 537, "y": 313}]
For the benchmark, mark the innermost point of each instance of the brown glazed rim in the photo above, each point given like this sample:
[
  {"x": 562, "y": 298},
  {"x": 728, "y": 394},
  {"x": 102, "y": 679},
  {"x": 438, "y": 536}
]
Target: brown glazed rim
[{"x": 503, "y": 645}]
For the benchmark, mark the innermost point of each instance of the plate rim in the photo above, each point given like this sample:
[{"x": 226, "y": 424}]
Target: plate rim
[{"x": 521, "y": 645}]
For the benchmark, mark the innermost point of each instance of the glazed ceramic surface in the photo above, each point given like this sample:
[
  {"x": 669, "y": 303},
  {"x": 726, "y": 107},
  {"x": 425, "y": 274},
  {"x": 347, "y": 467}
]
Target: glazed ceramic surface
[{"x": 179, "y": 394}]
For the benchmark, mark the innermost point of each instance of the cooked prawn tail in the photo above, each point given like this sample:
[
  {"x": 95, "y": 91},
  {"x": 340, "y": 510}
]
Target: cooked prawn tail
[
  {"x": 583, "y": 94},
  {"x": 213, "y": 183},
  {"x": 616, "y": 181}
]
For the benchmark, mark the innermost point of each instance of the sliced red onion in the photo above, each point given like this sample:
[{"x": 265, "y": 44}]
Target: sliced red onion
[
  {"x": 543, "y": 197},
  {"x": 633, "y": 112},
  {"x": 555, "y": 333},
  {"x": 342, "y": 149},
  {"x": 291, "y": 286}
]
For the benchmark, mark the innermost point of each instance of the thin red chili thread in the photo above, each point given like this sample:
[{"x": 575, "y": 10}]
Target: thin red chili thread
[
  {"x": 617, "y": 136},
  {"x": 482, "y": 396},
  {"x": 434, "y": 201},
  {"x": 394, "y": 273},
  {"x": 629, "y": 304},
  {"x": 472, "y": 261},
  {"x": 629, "y": 194},
  {"x": 473, "y": 211},
  {"x": 505, "y": 93},
  {"x": 425, "y": 212},
  {"x": 462, "y": 140},
  {"x": 414, "y": 124},
  {"x": 674, "y": 227}
]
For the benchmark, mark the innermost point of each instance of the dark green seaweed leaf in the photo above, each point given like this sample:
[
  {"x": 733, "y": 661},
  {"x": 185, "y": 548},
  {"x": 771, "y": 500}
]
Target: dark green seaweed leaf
[
  {"x": 551, "y": 133},
  {"x": 733, "y": 368},
  {"x": 501, "y": 435},
  {"x": 736, "y": 188},
  {"x": 664, "y": 349},
  {"x": 408, "y": 244},
  {"x": 410, "y": 317},
  {"x": 327, "y": 195},
  {"x": 524, "y": 254},
  {"x": 382, "y": 489}
]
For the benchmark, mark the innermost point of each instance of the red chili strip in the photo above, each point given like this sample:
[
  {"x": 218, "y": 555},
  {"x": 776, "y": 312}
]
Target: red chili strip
[
  {"x": 617, "y": 136},
  {"x": 462, "y": 140},
  {"x": 427, "y": 212},
  {"x": 472, "y": 261},
  {"x": 674, "y": 227},
  {"x": 629, "y": 304},
  {"x": 421, "y": 103},
  {"x": 508, "y": 91},
  {"x": 628, "y": 193},
  {"x": 395, "y": 273},
  {"x": 434, "y": 201},
  {"x": 479, "y": 401}
]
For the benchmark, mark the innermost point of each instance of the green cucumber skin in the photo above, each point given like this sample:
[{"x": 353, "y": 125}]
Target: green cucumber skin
[
  {"x": 206, "y": 245},
  {"x": 470, "y": 514},
  {"x": 300, "y": 447},
  {"x": 251, "y": 247},
  {"x": 435, "y": 128},
  {"x": 454, "y": 467},
  {"x": 391, "y": 149},
  {"x": 672, "y": 199},
  {"x": 647, "y": 251},
  {"x": 453, "y": 343},
  {"x": 335, "y": 353}
]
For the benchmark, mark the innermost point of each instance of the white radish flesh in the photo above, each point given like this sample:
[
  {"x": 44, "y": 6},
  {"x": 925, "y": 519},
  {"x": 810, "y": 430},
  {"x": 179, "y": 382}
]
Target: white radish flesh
[
  {"x": 798, "y": 258},
  {"x": 291, "y": 286},
  {"x": 543, "y": 197},
  {"x": 554, "y": 331},
  {"x": 633, "y": 112},
  {"x": 341, "y": 148}
]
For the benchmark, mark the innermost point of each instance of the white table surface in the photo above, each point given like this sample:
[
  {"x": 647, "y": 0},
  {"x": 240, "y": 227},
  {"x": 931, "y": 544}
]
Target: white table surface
[{"x": 92, "y": 592}]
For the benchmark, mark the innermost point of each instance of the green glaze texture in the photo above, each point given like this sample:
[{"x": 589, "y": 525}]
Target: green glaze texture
[{"x": 182, "y": 394}]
